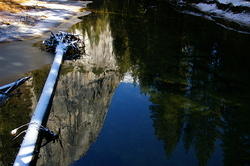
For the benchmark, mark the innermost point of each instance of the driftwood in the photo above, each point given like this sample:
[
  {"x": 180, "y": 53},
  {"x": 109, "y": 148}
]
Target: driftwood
[{"x": 75, "y": 47}]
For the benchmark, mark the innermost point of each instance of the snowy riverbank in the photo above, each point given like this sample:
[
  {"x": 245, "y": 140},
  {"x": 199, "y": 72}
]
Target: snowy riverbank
[
  {"x": 231, "y": 14},
  {"x": 43, "y": 17}
]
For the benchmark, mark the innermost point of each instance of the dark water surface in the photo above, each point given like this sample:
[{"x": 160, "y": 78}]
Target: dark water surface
[
  {"x": 156, "y": 88},
  {"x": 190, "y": 103}
]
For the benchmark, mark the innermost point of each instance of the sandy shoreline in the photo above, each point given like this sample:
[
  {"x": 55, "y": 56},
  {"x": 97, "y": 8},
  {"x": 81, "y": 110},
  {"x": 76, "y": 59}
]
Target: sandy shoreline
[{"x": 45, "y": 17}]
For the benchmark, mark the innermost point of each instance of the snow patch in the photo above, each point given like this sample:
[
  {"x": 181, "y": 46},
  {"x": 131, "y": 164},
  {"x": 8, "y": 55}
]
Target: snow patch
[
  {"x": 235, "y": 2},
  {"x": 206, "y": 7},
  {"x": 15, "y": 26},
  {"x": 242, "y": 18}
]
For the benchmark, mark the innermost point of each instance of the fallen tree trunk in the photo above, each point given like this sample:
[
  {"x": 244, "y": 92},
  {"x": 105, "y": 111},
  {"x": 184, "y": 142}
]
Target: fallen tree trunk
[{"x": 62, "y": 41}]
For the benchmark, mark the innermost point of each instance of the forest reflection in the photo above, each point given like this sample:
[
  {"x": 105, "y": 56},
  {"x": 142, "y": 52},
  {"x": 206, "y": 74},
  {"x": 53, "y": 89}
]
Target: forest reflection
[{"x": 195, "y": 73}]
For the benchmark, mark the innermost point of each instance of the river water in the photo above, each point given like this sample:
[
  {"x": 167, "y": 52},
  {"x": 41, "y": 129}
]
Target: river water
[
  {"x": 20, "y": 57},
  {"x": 155, "y": 87}
]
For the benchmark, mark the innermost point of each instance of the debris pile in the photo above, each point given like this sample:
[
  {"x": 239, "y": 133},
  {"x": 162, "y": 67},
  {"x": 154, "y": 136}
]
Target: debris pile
[{"x": 75, "y": 46}]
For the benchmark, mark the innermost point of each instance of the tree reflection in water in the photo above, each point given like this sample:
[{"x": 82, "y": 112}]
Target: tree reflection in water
[
  {"x": 195, "y": 73},
  {"x": 188, "y": 67}
]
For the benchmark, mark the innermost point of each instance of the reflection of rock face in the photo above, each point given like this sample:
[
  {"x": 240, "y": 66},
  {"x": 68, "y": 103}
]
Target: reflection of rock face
[
  {"x": 81, "y": 101},
  {"x": 103, "y": 47},
  {"x": 98, "y": 43},
  {"x": 79, "y": 108}
]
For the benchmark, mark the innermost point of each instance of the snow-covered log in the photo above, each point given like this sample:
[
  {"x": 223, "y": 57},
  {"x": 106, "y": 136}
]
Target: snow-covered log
[{"x": 62, "y": 42}]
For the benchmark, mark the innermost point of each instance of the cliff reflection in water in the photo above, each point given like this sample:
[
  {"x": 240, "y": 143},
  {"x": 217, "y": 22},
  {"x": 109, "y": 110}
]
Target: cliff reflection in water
[
  {"x": 196, "y": 75},
  {"x": 83, "y": 94}
]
